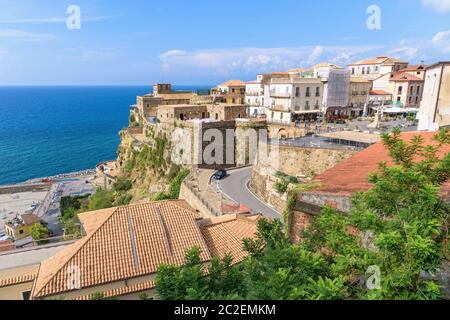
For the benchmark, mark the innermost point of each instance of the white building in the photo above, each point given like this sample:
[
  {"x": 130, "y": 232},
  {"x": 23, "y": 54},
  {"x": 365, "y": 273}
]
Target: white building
[
  {"x": 336, "y": 91},
  {"x": 295, "y": 99},
  {"x": 375, "y": 67},
  {"x": 434, "y": 112},
  {"x": 257, "y": 93}
]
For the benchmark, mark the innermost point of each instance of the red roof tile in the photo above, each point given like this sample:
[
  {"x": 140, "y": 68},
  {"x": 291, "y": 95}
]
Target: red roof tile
[{"x": 351, "y": 176}]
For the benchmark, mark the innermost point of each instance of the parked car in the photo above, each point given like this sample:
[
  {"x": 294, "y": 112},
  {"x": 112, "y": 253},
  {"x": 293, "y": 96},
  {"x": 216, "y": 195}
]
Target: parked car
[{"x": 220, "y": 174}]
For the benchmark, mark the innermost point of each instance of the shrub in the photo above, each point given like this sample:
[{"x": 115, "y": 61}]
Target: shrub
[{"x": 281, "y": 187}]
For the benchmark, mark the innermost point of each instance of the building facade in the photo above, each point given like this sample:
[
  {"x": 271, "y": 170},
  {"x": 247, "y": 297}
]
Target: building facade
[
  {"x": 375, "y": 67},
  {"x": 359, "y": 94},
  {"x": 434, "y": 110}
]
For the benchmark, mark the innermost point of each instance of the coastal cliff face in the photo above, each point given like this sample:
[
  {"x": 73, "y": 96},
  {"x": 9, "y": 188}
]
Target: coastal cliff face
[{"x": 144, "y": 158}]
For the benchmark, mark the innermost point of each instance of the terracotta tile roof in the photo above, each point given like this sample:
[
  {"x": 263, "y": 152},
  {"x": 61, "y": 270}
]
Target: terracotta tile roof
[
  {"x": 379, "y": 93},
  {"x": 420, "y": 67},
  {"x": 29, "y": 219},
  {"x": 403, "y": 76},
  {"x": 122, "y": 291},
  {"x": 377, "y": 60},
  {"x": 233, "y": 83},
  {"x": 327, "y": 64},
  {"x": 122, "y": 243},
  {"x": 225, "y": 235},
  {"x": 17, "y": 280},
  {"x": 7, "y": 245},
  {"x": 351, "y": 176}
]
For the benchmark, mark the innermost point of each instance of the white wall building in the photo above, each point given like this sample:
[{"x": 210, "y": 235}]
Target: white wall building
[
  {"x": 434, "y": 112},
  {"x": 336, "y": 82}
]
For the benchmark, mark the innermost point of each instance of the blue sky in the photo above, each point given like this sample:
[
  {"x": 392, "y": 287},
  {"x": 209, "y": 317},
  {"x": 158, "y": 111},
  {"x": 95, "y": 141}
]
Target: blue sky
[{"x": 205, "y": 42}]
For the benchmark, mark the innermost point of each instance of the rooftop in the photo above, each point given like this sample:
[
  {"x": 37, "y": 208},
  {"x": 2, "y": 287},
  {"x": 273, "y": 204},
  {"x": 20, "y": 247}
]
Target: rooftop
[
  {"x": 377, "y": 60},
  {"x": 379, "y": 93},
  {"x": 233, "y": 83},
  {"x": 351, "y": 176},
  {"x": 403, "y": 76},
  {"x": 353, "y": 136},
  {"x": 132, "y": 241}
]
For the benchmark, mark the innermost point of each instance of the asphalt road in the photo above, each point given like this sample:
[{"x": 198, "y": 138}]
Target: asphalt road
[{"x": 235, "y": 187}]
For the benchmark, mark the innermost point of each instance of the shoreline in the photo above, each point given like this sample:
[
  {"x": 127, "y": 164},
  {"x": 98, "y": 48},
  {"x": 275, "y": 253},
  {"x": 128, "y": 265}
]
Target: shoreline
[{"x": 61, "y": 176}]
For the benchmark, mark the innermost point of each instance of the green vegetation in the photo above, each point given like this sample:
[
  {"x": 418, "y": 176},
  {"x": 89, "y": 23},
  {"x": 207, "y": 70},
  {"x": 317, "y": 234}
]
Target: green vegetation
[
  {"x": 39, "y": 232},
  {"x": 285, "y": 180},
  {"x": 399, "y": 228},
  {"x": 101, "y": 199},
  {"x": 174, "y": 188},
  {"x": 132, "y": 123},
  {"x": 281, "y": 187}
]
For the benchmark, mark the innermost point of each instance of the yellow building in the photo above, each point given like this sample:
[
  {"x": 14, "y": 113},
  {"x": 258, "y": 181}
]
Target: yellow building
[
  {"x": 231, "y": 92},
  {"x": 19, "y": 227},
  {"x": 359, "y": 94}
]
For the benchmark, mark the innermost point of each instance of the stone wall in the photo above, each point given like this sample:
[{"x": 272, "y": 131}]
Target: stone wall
[{"x": 293, "y": 161}]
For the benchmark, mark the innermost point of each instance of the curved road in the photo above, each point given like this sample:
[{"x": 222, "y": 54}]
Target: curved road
[{"x": 235, "y": 187}]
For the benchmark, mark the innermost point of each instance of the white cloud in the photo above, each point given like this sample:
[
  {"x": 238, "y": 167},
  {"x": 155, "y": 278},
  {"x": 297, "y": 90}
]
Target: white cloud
[
  {"x": 405, "y": 52},
  {"x": 249, "y": 61},
  {"x": 441, "y": 6},
  {"x": 315, "y": 55},
  {"x": 441, "y": 37},
  {"x": 21, "y": 35}
]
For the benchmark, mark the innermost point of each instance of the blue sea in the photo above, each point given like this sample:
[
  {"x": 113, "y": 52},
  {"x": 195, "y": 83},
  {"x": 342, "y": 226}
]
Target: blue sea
[{"x": 45, "y": 131}]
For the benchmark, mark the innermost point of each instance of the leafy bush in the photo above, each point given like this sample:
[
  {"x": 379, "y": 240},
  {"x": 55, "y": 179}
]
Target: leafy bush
[{"x": 281, "y": 187}]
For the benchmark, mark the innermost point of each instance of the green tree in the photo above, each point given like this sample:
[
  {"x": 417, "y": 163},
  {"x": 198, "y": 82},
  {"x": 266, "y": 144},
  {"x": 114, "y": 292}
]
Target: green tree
[
  {"x": 38, "y": 232},
  {"x": 399, "y": 226}
]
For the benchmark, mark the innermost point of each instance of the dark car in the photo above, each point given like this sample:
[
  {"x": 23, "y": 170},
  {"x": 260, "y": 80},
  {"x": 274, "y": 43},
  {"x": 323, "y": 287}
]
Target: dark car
[{"x": 220, "y": 174}]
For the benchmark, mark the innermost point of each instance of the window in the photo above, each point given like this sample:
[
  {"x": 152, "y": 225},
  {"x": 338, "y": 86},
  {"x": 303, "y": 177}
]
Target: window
[
  {"x": 317, "y": 91},
  {"x": 411, "y": 89},
  {"x": 233, "y": 90},
  {"x": 239, "y": 115},
  {"x": 203, "y": 115},
  {"x": 26, "y": 295},
  {"x": 417, "y": 99},
  {"x": 316, "y": 106},
  {"x": 281, "y": 116},
  {"x": 234, "y": 100},
  {"x": 353, "y": 70},
  {"x": 377, "y": 68},
  {"x": 273, "y": 114},
  {"x": 308, "y": 93},
  {"x": 398, "y": 99},
  {"x": 167, "y": 115},
  {"x": 410, "y": 99},
  {"x": 368, "y": 70},
  {"x": 217, "y": 116},
  {"x": 181, "y": 116},
  {"x": 307, "y": 105},
  {"x": 297, "y": 92},
  {"x": 418, "y": 90},
  {"x": 400, "y": 89},
  {"x": 364, "y": 70}
]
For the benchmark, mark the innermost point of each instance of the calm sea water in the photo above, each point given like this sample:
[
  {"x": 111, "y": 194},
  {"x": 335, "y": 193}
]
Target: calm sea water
[{"x": 46, "y": 131}]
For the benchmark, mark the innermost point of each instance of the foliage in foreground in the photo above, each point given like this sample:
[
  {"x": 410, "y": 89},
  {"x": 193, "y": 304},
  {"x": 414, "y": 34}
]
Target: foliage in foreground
[{"x": 399, "y": 227}]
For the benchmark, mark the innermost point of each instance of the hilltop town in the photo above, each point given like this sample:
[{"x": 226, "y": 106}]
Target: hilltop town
[{"x": 289, "y": 145}]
